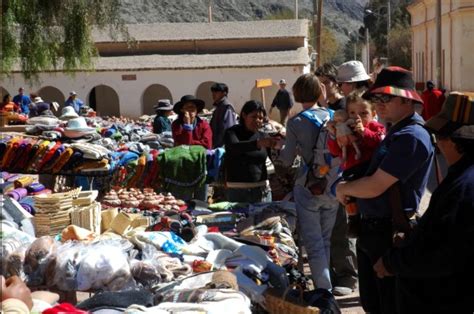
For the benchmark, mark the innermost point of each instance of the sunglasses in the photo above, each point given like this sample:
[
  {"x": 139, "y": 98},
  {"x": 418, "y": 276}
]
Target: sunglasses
[{"x": 381, "y": 98}]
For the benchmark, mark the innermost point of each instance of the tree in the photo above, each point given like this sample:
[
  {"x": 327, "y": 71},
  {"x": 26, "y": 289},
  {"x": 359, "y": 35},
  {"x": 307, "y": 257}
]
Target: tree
[
  {"x": 400, "y": 22},
  {"x": 400, "y": 46},
  {"x": 41, "y": 35},
  {"x": 330, "y": 52}
]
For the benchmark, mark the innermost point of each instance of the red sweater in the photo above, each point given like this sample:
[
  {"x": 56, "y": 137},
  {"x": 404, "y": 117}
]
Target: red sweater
[
  {"x": 432, "y": 102},
  {"x": 200, "y": 135},
  {"x": 367, "y": 142}
]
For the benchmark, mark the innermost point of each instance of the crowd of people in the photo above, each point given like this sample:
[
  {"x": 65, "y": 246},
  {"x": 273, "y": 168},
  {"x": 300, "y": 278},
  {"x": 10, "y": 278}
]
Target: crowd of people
[{"x": 366, "y": 160}]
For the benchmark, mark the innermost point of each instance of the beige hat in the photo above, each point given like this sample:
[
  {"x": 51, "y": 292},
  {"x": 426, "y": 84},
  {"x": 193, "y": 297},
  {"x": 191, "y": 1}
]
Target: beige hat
[{"x": 351, "y": 72}]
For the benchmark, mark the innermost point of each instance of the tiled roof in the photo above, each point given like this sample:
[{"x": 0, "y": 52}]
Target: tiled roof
[{"x": 211, "y": 31}]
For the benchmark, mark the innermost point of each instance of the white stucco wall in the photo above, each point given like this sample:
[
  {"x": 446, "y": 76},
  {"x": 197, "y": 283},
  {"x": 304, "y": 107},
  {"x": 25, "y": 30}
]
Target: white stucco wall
[
  {"x": 457, "y": 32},
  {"x": 179, "y": 82}
]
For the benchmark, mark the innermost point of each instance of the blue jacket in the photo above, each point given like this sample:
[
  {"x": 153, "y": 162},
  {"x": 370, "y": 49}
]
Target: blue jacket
[{"x": 24, "y": 102}]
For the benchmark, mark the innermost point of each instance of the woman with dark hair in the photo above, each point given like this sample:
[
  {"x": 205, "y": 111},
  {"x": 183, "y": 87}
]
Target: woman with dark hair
[
  {"x": 246, "y": 154},
  {"x": 189, "y": 129}
]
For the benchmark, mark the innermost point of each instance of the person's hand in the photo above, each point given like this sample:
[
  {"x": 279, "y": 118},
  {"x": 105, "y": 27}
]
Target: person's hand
[
  {"x": 267, "y": 142},
  {"x": 331, "y": 127},
  {"x": 380, "y": 269},
  {"x": 357, "y": 126},
  {"x": 341, "y": 195},
  {"x": 15, "y": 288},
  {"x": 189, "y": 117}
]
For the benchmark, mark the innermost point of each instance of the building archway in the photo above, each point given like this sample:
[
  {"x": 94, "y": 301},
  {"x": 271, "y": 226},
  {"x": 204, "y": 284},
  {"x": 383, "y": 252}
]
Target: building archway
[
  {"x": 104, "y": 100},
  {"x": 151, "y": 95},
  {"x": 204, "y": 92},
  {"x": 270, "y": 93},
  {"x": 50, "y": 94},
  {"x": 3, "y": 92}
]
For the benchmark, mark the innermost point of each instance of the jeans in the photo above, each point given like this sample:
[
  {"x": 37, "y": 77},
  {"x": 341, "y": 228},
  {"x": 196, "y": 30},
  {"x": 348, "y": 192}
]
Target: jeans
[
  {"x": 254, "y": 195},
  {"x": 343, "y": 253},
  {"x": 316, "y": 219}
]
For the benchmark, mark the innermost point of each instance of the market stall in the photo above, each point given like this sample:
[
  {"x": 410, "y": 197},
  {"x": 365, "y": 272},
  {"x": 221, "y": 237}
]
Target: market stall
[{"x": 135, "y": 243}]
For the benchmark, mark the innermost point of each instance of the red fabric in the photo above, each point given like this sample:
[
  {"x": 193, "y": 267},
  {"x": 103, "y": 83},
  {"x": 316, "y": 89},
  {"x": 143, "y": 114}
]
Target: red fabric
[
  {"x": 201, "y": 135},
  {"x": 368, "y": 142},
  {"x": 432, "y": 102},
  {"x": 64, "y": 308}
]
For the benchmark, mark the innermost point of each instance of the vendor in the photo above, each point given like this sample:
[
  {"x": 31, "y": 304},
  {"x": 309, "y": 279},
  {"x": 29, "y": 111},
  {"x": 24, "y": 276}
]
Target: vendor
[
  {"x": 8, "y": 104},
  {"x": 163, "y": 110},
  {"x": 188, "y": 128},
  {"x": 246, "y": 154}
]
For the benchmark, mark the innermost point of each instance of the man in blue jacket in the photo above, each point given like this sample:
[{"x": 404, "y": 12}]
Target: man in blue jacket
[
  {"x": 23, "y": 101},
  {"x": 434, "y": 266}
]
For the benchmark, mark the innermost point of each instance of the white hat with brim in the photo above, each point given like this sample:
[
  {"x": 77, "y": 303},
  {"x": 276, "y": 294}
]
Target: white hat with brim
[
  {"x": 77, "y": 127},
  {"x": 351, "y": 72},
  {"x": 68, "y": 112}
]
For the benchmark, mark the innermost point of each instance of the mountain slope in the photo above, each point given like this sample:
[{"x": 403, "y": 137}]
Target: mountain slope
[{"x": 342, "y": 16}]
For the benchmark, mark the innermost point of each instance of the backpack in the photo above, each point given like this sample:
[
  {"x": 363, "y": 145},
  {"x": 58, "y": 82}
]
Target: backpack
[{"x": 324, "y": 170}]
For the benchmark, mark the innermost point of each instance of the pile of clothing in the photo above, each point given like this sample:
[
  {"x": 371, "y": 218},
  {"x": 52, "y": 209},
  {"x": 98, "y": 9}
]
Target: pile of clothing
[{"x": 32, "y": 155}]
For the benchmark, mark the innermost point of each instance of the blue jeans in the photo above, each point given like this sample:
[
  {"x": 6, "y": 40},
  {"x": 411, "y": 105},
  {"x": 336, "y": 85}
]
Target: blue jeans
[
  {"x": 254, "y": 195},
  {"x": 316, "y": 217}
]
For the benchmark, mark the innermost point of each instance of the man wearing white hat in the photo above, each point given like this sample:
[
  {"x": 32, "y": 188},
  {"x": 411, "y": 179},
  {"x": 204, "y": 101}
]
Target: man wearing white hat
[
  {"x": 75, "y": 102},
  {"x": 282, "y": 101}
]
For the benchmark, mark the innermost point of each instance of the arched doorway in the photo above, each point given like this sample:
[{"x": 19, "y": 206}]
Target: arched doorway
[
  {"x": 3, "y": 92},
  {"x": 104, "y": 100},
  {"x": 50, "y": 94},
  {"x": 270, "y": 93},
  {"x": 151, "y": 95},
  {"x": 204, "y": 92}
]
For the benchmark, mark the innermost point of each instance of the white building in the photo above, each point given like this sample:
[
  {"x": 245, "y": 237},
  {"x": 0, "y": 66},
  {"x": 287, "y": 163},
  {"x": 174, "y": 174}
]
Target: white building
[
  {"x": 457, "y": 29},
  {"x": 174, "y": 59}
]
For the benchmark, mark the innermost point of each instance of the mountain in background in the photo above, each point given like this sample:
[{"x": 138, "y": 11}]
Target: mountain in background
[{"x": 341, "y": 16}]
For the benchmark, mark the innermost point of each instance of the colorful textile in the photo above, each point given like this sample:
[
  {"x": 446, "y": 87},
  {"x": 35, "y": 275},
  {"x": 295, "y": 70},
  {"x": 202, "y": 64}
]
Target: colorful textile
[{"x": 172, "y": 163}]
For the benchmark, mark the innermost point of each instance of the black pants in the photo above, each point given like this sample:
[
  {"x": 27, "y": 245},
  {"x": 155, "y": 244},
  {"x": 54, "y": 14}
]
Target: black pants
[{"x": 376, "y": 295}]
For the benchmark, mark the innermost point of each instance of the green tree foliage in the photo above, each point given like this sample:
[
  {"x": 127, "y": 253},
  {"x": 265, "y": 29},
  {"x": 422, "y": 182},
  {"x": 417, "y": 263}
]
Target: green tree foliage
[
  {"x": 399, "y": 52},
  {"x": 400, "y": 46},
  {"x": 41, "y": 35},
  {"x": 330, "y": 48}
]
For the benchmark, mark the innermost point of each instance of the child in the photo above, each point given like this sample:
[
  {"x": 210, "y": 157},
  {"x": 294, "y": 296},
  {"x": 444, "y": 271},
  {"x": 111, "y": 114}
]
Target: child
[{"x": 368, "y": 132}]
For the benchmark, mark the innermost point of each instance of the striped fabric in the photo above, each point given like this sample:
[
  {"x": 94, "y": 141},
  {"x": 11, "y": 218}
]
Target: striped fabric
[{"x": 405, "y": 93}]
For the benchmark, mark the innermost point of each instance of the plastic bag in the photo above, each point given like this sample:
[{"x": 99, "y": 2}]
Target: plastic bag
[
  {"x": 100, "y": 265},
  {"x": 143, "y": 271},
  {"x": 40, "y": 259}
]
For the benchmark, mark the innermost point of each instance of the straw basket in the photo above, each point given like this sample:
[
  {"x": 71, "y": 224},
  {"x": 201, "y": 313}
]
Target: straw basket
[{"x": 276, "y": 304}]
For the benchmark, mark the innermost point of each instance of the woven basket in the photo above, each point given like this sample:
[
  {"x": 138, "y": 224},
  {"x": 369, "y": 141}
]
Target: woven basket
[{"x": 277, "y": 304}]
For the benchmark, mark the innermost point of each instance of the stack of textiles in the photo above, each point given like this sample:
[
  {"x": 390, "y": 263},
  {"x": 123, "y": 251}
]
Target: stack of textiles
[
  {"x": 53, "y": 212},
  {"x": 33, "y": 155}
]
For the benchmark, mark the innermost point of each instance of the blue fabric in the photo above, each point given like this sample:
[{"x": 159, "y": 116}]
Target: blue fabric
[
  {"x": 24, "y": 102},
  {"x": 188, "y": 127},
  {"x": 407, "y": 154},
  {"x": 214, "y": 167},
  {"x": 127, "y": 157},
  {"x": 76, "y": 104}
]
